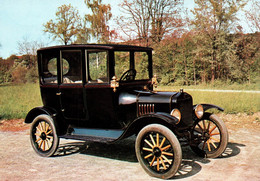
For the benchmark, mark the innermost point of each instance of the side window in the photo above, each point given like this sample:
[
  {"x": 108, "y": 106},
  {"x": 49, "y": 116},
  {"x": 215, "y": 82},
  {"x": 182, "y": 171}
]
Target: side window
[
  {"x": 97, "y": 66},
  {"x": 71, "y": 61},
  {"x": 49, "y": 62},
  {"x": 122, "y": 63},
  {"x": 141, "y": 65}
]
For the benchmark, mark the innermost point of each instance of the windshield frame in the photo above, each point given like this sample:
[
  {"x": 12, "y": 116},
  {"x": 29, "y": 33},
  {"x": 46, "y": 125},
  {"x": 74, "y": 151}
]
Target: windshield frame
[{"x": 132, "y": 63}]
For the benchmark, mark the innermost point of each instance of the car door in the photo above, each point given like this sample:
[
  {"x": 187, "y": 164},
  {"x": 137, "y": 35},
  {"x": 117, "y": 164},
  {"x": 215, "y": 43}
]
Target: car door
[
  {"x": 48, "y": 72},
  {"x": 73, "y": 104},
  {"x": 101, "y": 100}
]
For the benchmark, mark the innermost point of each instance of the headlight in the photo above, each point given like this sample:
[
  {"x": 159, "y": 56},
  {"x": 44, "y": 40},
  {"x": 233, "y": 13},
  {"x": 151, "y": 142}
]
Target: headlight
[
  {"x": 199, "y": 111},
  {"x": 176, "y": 113}
]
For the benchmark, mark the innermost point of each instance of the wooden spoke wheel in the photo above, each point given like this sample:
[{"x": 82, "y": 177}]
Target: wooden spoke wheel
[
  {"x": 210, "y": 136},
  {"x": 158, "y": 151},
  {"x": 43, "y": 136}
]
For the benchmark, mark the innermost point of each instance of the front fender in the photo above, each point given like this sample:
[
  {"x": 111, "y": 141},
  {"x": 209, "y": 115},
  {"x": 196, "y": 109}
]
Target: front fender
[
  {"x": 142, "y": 121},
  {"x": 209, "y": 106}
]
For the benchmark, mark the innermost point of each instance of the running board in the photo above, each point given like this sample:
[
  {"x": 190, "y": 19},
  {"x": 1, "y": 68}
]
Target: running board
[{"x": 96, "y": 135}]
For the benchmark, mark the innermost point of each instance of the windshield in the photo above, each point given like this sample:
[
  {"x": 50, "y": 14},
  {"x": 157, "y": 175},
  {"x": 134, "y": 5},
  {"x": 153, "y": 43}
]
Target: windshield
[{"x": 135, "y": 63}]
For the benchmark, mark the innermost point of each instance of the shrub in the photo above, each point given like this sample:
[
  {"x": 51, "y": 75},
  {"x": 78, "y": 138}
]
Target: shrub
[
  {"x": 32, "y": 75},
  {"x": 19, "y": 74}
]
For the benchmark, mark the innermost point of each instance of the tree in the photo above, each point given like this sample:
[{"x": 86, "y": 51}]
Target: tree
[
  {"x": 253, "y": 16},
  {"x": 101, "y": 14},
  {"x": 29, "y": 51},
  {"x": 245, "y": 52},
  {"x": 214, "y": 19},
  {"x": 66, "y": 25},
  {"x": 149, "y": 19}
]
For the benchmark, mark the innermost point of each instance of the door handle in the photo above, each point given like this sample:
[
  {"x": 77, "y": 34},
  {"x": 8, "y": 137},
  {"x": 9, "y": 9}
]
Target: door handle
[{"x": 58, "y": 93}]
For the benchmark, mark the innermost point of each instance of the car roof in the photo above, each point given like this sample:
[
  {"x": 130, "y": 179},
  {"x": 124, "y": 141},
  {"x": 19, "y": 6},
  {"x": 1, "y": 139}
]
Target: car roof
[{"x": 118, "y": 47}]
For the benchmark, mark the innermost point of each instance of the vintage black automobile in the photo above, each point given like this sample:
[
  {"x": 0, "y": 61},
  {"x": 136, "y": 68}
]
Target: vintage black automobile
[{"x": 84, "y": 99}]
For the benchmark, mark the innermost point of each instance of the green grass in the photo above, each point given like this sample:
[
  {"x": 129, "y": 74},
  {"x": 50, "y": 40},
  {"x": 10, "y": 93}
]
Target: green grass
[
  {"x": 17, "y": 100},
  {"x": 232, "y": 102},
  {"x": 218, "y": 86}
]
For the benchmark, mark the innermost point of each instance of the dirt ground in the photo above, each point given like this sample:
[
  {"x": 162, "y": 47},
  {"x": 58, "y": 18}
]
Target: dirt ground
[{"x": 77, "y": 160}]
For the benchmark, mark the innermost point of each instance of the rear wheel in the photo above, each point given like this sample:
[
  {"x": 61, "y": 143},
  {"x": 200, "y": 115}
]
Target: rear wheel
[
  {"x": 158, "y": 151},
  {"x": 43, "y": 136},
  {"x": 210, "y": 136}
]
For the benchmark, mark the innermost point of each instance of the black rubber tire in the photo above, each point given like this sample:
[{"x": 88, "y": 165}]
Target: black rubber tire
[
  {"x": 165, "y": 170},
  {"x": 215, "y": 149},
  {"x": 43, "y": 136}
]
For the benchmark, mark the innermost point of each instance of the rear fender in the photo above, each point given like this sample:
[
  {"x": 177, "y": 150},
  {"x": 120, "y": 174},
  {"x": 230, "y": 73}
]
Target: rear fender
[
  {"x": 37, "y": 111},
  {"x": 61, "y": 126},
  {"x": 140, "y": 122}
]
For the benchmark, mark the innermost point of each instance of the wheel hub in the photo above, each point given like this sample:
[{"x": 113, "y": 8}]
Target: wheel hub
[
  {"x": 43, "y": 136},
  {"x": 157, "y": 152}
]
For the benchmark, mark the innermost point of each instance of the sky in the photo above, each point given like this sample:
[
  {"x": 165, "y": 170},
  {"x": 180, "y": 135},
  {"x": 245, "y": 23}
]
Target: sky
[{"x": 24, "y": 19}]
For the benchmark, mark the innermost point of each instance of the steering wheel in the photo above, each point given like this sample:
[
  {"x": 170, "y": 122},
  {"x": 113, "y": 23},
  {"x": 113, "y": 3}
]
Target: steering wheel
[{"x": 128, "y": 75}]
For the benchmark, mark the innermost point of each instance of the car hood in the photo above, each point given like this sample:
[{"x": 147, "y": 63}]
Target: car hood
[{"x": 148, "y": 97}]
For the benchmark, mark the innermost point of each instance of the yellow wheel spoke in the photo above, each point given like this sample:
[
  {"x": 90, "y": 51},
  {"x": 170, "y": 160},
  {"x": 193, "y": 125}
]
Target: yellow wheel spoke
[
  {"x": 208, "y": 125},
  {"x": 47, "y": 143},
  {"x": 204, "y": 125},
  {"x": 152, "y": 140},
  {"x": 50, "y": 137},
  {"x": 165, "y": 158},
  {"x": 158, "y": 164},
  {"x": 200, "y": 127},
  {"x": 147, "y": 156},
  {"x": 212, "y": 143},
  {"x": 162, "y": 142},
  {"x": 40, "y": 145},
  {"x": 212, "y": 129},
  {"x": 49, "y": 132},
  {"x": 157, "y": 139},
  {"x": 217, "y": 140},
  {"x": 208, "y": 145},
  {"x": 147, "y": 149},
  {"x": 44, "y": 126},
  {"x": 151, "y": 164},
  {"x": 41, "y": 127},
  {"x": 38, "y": 129},
  {"x": 166, "y": 153},
  {"x": 214, "y": 134},
  {"x": 163, "y": 163},
  {"x": 47, "y": 128},
  {"x": 37, "y": 134},
  {"x": 166, "y": 147},
  {"x": 43, "y": 145},
  {"x": 146, "y": 141},
  {"x": 38, "y": 140}
]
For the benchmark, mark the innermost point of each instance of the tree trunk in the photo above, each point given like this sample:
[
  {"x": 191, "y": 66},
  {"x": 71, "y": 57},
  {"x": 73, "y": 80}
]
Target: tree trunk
[{"x": 194, "y": 72}]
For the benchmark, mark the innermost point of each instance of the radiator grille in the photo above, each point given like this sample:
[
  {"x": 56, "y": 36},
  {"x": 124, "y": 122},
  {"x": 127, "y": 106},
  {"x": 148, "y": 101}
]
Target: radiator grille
[{"x": 145, "y": 109}]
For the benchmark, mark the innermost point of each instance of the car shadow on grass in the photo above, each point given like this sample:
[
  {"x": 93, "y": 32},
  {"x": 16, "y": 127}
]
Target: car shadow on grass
[{"x": 125, "y": 151}]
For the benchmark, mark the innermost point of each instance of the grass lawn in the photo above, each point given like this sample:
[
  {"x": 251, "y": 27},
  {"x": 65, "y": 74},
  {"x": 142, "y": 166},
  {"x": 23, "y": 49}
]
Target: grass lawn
[
  {"x": 17, "y": 100},
  {"x": 232, "y": 102}
]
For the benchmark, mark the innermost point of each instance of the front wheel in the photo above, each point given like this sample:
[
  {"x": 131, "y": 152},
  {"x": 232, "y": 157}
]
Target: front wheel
[
  {"x": 209, "y": 136},
  {"x": 158, "y": 151},
  {"x": 43, "y": 136}
]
